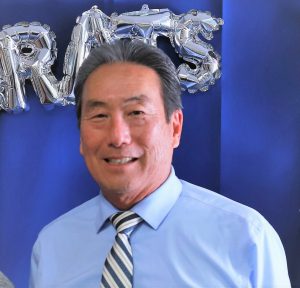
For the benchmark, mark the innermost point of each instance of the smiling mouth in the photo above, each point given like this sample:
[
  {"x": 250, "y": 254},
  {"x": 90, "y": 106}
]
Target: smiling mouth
[{"x": 120, "y": 161}]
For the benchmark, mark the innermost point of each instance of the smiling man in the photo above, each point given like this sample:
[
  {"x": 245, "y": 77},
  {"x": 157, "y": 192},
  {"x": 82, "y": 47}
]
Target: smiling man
[
  {"x": 147, "y": 228},
  {"x": 126, "y": 140}
]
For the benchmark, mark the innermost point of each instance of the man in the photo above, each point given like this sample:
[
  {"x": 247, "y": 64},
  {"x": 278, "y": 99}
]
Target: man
[
  {"x": 174, "y": 234},
  {"x": 4, "y": 281}
]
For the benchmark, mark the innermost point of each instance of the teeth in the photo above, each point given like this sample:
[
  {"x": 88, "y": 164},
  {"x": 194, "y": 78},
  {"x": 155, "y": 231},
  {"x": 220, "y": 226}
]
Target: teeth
[{"x": 120, "y": 161}]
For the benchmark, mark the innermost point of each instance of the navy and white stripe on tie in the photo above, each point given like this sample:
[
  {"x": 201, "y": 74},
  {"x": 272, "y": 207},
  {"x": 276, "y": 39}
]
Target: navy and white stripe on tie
[{"x": 118, "y": 267}]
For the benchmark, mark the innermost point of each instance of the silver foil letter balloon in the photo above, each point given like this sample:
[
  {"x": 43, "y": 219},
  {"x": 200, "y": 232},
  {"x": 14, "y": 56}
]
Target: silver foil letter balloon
[
  {"x": 192, "y": 49},
  {"x": 28, "y": 50},
  {"x": 94, "y": 27},
  {"x": 183, "y": 31}
]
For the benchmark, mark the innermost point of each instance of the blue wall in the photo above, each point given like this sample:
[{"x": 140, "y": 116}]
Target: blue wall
[
  {"x": 239, "y": 139},
  {"x": 260, "y": 146}
]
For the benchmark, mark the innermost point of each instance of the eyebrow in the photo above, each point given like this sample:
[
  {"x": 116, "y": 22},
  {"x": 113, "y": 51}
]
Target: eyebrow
[{"x": 94, "y": 103}]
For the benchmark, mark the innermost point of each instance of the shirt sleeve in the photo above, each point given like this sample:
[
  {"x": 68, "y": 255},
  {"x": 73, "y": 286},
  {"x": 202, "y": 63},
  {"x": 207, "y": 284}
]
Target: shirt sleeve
[
  {"x": 34, "y": 269},
  {"x": 269, "y": 260}
]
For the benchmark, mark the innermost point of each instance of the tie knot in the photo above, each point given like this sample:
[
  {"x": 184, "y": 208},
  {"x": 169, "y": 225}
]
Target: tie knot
[{"x": 125, "y": 222}]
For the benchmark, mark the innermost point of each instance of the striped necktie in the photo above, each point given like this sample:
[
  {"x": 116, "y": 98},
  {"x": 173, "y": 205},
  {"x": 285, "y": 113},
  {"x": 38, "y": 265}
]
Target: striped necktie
[{"x": 118, "y": 266}]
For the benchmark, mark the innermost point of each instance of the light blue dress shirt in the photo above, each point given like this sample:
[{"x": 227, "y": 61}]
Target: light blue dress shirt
[{"x": 190, "y": 237}]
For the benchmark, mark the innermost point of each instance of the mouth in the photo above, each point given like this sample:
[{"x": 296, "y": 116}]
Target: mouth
[{"x": 120, "y": 161}]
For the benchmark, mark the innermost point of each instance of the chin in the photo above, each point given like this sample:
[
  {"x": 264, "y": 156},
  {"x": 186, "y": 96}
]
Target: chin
[{"x": 115, "y": 188}]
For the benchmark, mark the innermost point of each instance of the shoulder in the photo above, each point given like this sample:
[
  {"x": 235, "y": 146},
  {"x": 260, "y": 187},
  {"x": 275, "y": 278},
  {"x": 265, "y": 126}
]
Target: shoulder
[
  {"x": 203, "y": 201},
  {"x": 236, "y": 231},
  {"x": 82, "y": 215}
]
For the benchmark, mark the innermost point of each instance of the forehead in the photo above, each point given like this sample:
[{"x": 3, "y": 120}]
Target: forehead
[{"x": 120, "y": 81}]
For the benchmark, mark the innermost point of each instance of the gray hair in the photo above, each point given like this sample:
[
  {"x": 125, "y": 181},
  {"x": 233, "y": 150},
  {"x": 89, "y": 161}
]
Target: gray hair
[{"x": 136, "y": 52}]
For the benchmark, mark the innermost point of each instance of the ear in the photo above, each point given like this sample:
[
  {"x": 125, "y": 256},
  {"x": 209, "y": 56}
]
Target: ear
[
  {"x": 80, "y": 147},
  {"x": 176, "y": 122}
]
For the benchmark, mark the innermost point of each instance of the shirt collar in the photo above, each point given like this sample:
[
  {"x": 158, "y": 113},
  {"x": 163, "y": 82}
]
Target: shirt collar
[
  {"x": 153, "y": 208},
  {"x": 106, "y": 209}
]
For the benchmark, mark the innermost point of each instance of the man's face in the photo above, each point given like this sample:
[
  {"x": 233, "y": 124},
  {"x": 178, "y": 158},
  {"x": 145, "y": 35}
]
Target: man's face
[{"x": 126, "y": 141}]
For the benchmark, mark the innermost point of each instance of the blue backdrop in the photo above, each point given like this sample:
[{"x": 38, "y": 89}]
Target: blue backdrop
[{"x": 240, "y": 138}]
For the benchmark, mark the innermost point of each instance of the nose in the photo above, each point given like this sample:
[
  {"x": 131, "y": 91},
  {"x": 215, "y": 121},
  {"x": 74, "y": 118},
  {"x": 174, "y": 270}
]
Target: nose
[{"x": 119, "y": 133}]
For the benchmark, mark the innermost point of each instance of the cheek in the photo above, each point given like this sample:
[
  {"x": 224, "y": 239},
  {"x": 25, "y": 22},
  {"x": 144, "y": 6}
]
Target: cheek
[
  {"x": 88, "y": 140},
  {"x": 158, "y": 144}
]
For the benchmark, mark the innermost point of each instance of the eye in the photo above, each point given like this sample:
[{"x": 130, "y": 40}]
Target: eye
[
  {"x": 137, "y": 113},
  {"x": 99, "y": 116}
]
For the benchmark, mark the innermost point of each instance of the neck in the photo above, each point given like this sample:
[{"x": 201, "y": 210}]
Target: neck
[{"x": 124, "y": 202}]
